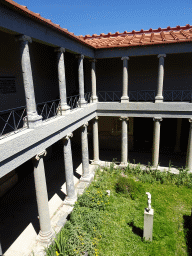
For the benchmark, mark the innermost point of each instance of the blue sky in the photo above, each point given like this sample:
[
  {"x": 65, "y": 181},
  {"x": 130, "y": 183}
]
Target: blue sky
[{"x": 84, "y": 17}]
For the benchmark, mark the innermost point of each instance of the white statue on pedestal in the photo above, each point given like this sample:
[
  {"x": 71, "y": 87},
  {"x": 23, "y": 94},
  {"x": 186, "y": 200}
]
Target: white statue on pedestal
[{"x": 149, "y": 201}]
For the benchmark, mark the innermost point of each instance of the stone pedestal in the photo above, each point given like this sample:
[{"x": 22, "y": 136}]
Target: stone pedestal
[{"x": 148, "y": 225}]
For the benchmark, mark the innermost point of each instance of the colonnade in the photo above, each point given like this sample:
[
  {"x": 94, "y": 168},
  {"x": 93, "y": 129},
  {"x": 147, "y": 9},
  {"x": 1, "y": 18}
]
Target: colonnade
[{"x": 34, "y": 120}]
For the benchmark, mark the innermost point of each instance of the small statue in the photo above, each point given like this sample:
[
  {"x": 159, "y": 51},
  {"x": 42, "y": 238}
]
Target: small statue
[{"x": 149, "y": 202}]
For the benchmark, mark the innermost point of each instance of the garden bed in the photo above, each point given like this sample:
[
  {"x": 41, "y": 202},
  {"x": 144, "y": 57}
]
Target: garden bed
[{"x": 103, "y": 224}]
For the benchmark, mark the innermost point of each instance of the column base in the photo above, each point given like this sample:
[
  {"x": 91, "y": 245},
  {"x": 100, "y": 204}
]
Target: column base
[
  {"x": 98, "y": 162},
  {"x": 124, "y": 99},
  {"x": 34, "y": 121},
  {"x": 123, "y": 164},
  {"x": 70, "y": 201},
  {"x": 87, "y": 178},
  {"x": 45, "y": 237},
  {"x": 82, "y": 103},
  {"x": 64, "y": 110},
  {"x": 158, "y": 99},
  {"x": 94, "y": 99}
]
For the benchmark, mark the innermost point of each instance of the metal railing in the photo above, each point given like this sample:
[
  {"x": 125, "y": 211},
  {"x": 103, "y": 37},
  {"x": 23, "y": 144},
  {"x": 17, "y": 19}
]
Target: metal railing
[
  {"x": 87, "y": 96},
  {"x": 143, "y": 95},
  {"x": 109, "y": 96},
  {"x": 48, "y": 109},
  {"x": 12, "y": 120},
  {"x": 73, "y": 101},
  {"x": 177, "y": 95},
  {"x": 146, "y": 95}
]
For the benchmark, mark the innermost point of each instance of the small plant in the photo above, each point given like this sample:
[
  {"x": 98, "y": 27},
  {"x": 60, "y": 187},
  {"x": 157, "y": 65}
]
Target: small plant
[{"x": 128, "y": 187}]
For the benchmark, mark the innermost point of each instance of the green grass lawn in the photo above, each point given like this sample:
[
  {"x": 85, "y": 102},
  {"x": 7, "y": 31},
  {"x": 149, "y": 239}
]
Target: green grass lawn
[{"x": 113, "y": 225}]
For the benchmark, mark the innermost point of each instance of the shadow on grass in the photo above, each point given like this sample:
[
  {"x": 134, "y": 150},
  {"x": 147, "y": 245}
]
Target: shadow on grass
[
  {"x": 187, "y": 222},
  {"x": 136, "y": 230}
]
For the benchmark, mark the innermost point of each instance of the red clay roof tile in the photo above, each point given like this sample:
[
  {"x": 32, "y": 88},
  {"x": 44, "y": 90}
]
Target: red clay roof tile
[{"x": 112, "y": 40}]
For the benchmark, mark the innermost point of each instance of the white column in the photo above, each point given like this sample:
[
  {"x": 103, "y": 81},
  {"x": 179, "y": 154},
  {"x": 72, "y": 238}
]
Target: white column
[
  {"x": 86, "y": 175},
  {"x": 189, "y": 148},
  {"x": 64, "y": 108},
  {"x": 95, "y": 141},
  {"x": 156, "y": 141},
  {"x": 33, "y": 118},
  {"x": 45, "y": 233},
  {"x": 81, "y": 80},
  {"x": 71, "y": 194},
  {"x": 178, "y": 135},
  {"x": 93, "y": 81},
  {"x": 159, "y": 96},
  {"x": 124, "y": 141},
  {"x": 125, "y": 98}
]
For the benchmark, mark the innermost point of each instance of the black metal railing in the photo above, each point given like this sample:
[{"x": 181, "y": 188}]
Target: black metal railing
[
  {"x": 88, "y": 96},
  {"x": 146, "y": 95},
  {"x": 109, "y": 96},
  {"x": 143, "y": 95},
  {"x": 177, "y": 95},
  {"x": 73, "y": 101},
  {"x": 12, "y": 120},
  {"x": 48, "y": 109}
]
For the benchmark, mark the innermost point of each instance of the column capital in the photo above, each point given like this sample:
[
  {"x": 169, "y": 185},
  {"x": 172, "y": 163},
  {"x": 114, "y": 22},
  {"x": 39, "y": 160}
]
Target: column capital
[
  {"x": 80, "y": 56},
  {"x": 23, "y": 38},
  {"x": 161, "y": 55},
  {"x": 85, "y": 124},
  {"x": 125, "y": 58},
  {"x": 40, "y": 155},
  {"x": 68, "y": 136},
  {"x": 59, "y": 49},
  {"x": 96, "y": 118},
  {"x": 124, "y": 118},
  {"x": 190, "y": 120},
  {"x": 159, "y": 119}
]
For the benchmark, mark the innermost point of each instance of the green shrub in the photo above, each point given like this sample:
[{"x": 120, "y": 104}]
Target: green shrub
[{"x": 129, "y": 187}]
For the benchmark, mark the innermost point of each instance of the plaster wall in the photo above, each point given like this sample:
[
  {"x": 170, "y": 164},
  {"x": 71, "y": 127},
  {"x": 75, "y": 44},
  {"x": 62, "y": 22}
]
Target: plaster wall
[
  {"x": 10, "y": 66},
  {"x": 143, "y": 73}
]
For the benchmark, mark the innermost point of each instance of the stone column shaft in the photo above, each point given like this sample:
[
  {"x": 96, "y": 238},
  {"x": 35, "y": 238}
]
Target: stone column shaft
[
  {"x": 95, "y": 140},
  {"x": 159, "y": 96},
  {"x": 156, "y": 141},
  {"x": 124, "y": 141},
  {"x": 33, "y": 118},
  {"x": 189, "y": 148},
  {"x": 62, "y": 81},
  {"x": 86, "y": 176},
  {"x": 42, "y": 198},
  {"x": 93, "y": 80},
  {"x": 81, "y": 80},
  {"x": 71, "y": 195},
  {"x": 125, "y": 98}
]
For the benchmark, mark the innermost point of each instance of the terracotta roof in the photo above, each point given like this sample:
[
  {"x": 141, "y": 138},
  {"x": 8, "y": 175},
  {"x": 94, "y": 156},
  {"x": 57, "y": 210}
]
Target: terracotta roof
[
  {"x": 24, "y": 10},
  {"x": 142, "y": 37},
  {"x": 125, "y": 39}
]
